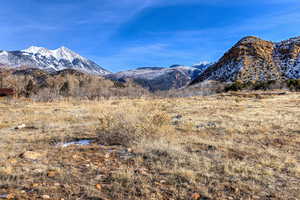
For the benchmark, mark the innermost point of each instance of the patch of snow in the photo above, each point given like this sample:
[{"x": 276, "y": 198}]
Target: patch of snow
[
  {"x": 227, "y": 72},
  {"x": 289, "y": 67},
  {"x": 79, "y": 142},
  {"x": 3, "y": 53},
  {"x": 35, "y": 50}
]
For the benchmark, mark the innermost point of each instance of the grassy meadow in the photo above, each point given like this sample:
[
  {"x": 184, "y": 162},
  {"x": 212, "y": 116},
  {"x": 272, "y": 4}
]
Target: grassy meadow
[{"x": 225, "y": 146}]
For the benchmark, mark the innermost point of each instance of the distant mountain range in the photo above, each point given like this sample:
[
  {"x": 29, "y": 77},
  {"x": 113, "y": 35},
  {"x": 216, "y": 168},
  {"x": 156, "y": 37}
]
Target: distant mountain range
[
  {"x": 254, "y": 59},
  {"x": 159, "y": 78},
  {"x": 251, "y": 59},
  {"x": 50, "y": 60}
]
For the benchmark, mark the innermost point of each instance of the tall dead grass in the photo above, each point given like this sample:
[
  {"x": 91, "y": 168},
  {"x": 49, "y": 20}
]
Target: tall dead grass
[{"x": 129, "y": 125}]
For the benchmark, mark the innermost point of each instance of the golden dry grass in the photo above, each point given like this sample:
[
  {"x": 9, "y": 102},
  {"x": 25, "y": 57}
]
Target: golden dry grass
[{"x": 234, "y": 146}]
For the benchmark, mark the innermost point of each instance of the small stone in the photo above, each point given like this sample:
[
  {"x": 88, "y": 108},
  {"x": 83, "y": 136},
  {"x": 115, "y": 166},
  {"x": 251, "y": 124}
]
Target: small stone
[
  {"x": 20, "y": 126},
  {"x": 38, "y": 171},
  {"x": 52, "y": 173},
  {"x": 98, "y": 186},
  {"x": 196, "y": 196},
  {"x": 35, "y": 185},
  {"x": 107, "y": 155},
  {"x": 129, "y": 150},
  {"x": 75, "y": 156},
  {"x": 46, "y": 196}
]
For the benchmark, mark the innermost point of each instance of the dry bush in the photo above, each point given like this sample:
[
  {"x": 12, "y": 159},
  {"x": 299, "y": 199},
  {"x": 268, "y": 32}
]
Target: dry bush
[
  {"x": 205, "y": 88},
  {"x": 129, "y": 125}
]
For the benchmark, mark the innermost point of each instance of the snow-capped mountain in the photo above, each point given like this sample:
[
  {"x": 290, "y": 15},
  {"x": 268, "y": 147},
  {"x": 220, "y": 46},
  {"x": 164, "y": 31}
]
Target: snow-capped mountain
[
  {"x": 50, "y": 60},
  {"x": 159, "y": 78},
  {"x": 254, "y": 59}
]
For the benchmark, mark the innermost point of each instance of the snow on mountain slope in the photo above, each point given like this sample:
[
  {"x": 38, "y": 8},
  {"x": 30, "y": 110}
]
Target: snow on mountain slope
[
  {"x": 254, "y": 59},
  {"x": 287, "y": 56},
  {"x": 50, "y": 60},
  {"x": 158, "y": 78}
]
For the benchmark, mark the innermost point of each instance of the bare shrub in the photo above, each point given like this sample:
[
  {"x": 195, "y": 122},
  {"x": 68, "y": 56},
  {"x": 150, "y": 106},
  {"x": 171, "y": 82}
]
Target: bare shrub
[
  {"x": 129, "y": 125},
  {"x": 201, "y": 89},
  {"x": 42, "y": 86}
]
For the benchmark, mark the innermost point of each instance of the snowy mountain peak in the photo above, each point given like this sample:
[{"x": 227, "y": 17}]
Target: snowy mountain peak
[
  {"x": 35, "y": 50},
  {"x": 59, "y": 54},
  {"x": 65, "y": 53},
  {"x": 50, "y": 60}
]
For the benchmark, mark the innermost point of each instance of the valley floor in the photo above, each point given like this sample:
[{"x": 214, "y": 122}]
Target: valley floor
[{"x": 227, "y": 146}]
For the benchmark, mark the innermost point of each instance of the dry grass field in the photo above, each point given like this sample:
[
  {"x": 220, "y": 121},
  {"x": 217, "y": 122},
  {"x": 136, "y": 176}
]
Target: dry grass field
[{"x": 226, "y": 146}]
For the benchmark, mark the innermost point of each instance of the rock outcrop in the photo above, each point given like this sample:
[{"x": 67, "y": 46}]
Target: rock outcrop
[{"x": 254, "y": 59}]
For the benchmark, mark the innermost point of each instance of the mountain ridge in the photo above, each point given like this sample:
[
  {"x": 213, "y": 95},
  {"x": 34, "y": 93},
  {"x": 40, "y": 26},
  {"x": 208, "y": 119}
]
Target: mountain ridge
[
  {"x": 255, "y": 59},
  {"x": 50, "y": 60},
  {"x": 159, "y": 78}
]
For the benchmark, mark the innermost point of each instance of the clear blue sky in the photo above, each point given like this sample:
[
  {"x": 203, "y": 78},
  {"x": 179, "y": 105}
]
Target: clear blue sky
[{"x": 125, "y": 34}]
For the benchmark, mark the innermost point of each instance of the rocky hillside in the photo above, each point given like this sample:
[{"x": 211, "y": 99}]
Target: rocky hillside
[
  {"x": 50, "y": 60},
  {"x": 158, "y": 78},
  {"x": 255, "y": 59}
]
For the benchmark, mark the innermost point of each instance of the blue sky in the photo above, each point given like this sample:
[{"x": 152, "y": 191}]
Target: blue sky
[{"x": 125, "y": 34}]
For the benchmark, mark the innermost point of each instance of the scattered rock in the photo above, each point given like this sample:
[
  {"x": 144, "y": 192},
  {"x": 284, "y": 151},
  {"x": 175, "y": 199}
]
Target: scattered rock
[
  {"x": 20, "y": 126},
  {"x": 107, "y": 155},
  {"x": 207, "y": 125},
  {"x": 196, "y": 196},
  {"x": 75, "y": 156},
  {"x": 46, "y": 197},
  {"x": 31, "y": 155},
  {"x": 98, "y": 186},
  {"x": 99, "y": 177},
  {"x": 34, "y": 185},
  {"x": 52, "y": 173},
  {"x": 178, "y": 117},
  {"x": 212, "y": 124},
  {"x": 175, "y": 122}
]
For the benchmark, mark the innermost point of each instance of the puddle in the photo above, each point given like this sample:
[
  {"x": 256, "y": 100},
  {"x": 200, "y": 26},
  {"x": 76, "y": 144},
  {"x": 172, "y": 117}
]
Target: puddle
[{"x": 77, "y": 142}]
